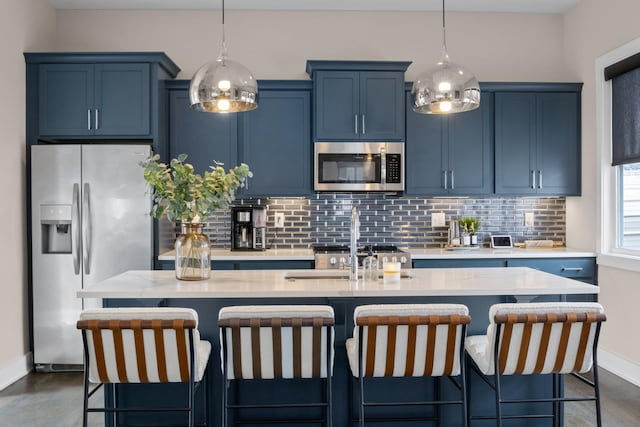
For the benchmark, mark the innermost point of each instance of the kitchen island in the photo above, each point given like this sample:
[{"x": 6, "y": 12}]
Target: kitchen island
[{"x": 478, "y": 288}]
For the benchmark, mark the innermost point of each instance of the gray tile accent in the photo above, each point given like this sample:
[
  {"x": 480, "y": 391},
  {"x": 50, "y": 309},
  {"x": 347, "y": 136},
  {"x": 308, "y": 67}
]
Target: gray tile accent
[{"x": 391, "y": 219}]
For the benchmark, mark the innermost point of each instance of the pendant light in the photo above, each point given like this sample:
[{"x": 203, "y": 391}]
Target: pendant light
[
  {"x": 446, "y": 88},
  {"x": 223, "y": 86}
]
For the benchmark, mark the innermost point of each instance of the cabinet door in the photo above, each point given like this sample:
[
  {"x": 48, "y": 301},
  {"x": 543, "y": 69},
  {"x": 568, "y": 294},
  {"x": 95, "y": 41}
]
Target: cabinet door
[
  {"x": 515, "y": 139},
  {"x": 276, "y": 144},
  {"x": 470, "y": 142},
  {"x": 336, "y": 105},
  {"x": 204, "y": 137},
  {"x": 381, "y": 106},
  {"x": 66, "y": 99},
  {"x": 425, "y": 153},
  {"x": 122, "y": 103},
  {"x": 558, "y": 147}
]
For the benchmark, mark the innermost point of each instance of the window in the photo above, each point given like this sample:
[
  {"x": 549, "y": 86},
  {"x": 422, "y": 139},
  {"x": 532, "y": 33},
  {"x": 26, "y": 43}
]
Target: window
[{"x": 629, "y": 206}]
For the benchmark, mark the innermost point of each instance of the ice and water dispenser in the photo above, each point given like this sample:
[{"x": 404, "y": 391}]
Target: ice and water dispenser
[{"x": 55, "y": 221}]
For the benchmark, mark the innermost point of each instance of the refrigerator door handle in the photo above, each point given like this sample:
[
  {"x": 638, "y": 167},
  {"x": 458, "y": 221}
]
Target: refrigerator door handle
[
  {"x": 86, "y": 229},
  {"x": 75, "y": 223}
]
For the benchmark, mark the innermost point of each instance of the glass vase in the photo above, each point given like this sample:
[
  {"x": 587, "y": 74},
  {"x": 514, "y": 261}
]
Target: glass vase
[{"x": 193, "y": 255}]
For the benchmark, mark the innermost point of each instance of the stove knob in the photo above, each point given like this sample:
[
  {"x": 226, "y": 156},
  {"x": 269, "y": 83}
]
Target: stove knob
[
  {"x": 394, "y": 259},
  {"x": 403, "y": 259},
  {"x": 332, "y": 260},
  {"x": 384, "y": 259},
  {"x": 343, "y": 260}
]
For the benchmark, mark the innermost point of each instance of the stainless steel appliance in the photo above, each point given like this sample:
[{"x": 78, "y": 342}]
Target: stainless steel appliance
[
  {"x": 248, "y": 228},
  {"x": 337, "y": 256},
  {"x": 90, "y": 221},
  {"x": 358, "y": 166}
]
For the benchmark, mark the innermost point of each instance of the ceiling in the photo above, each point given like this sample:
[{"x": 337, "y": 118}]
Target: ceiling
[{"x": 513, "y": 6}]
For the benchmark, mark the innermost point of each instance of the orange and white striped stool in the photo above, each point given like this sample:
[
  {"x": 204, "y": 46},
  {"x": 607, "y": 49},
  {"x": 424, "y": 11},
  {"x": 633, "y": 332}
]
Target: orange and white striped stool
[
  {"x": 409, "y": 340},
  {"x": 538, "y": 338},
  {"x": 142, "y": 345},
  {"x": 277, "y": 342}
]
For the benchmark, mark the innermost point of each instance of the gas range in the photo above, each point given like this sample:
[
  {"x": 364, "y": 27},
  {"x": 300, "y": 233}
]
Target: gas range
[{"x": 337, "y": 256}]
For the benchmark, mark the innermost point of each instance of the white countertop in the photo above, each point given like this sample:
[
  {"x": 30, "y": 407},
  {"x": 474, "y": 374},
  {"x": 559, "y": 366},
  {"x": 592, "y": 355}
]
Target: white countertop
[
  {"x": 274, "y": 284},
  {"x": 307, "y": 254}
]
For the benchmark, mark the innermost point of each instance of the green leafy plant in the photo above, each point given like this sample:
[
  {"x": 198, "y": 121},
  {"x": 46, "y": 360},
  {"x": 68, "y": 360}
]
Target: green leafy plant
[
  {"x": 185, "y": 196},
  {"x": 469, "y": 224}
]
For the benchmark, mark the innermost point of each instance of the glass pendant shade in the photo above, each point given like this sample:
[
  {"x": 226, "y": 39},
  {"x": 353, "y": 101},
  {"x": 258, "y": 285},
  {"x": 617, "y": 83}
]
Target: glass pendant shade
[
  {"x": 447, "y": 88},
  {"x": 444, "y": 89},
  {"x": 223, "y": 86}
]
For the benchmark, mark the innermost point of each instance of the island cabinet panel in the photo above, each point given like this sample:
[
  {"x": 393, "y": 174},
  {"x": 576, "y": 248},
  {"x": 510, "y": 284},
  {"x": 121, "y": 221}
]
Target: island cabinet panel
[
  {"x": 275, "y": 141},
  {"x": 352, "y": 105},
  {"x": 450, "y": 154},
  {"x": 458, "y": 263},
  {"x": 94, "y": 100},
  {"x": 537, "y": 143},
  {"x": 203, "y": 137}
]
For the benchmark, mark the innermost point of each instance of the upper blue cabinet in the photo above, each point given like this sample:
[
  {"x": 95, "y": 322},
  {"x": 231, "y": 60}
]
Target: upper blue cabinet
[
  {"x": 537, "y": 140},
  {"x": 95, "y": 95},
  {"x": 275, "y": 141},
  {"x": 358, "y": 100},
  {"x": 450, "y": 155}
]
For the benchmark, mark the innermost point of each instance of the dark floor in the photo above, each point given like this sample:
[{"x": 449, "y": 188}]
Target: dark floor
[{"x": 55, "y": 400}]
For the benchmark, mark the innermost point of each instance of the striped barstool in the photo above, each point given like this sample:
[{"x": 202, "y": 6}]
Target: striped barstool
[
  {"x": 142, "y": 345},
  {"x": 538, "y": 338},
  {"x": 409, "y": 340},
  {"x": 277, "y": 342}
]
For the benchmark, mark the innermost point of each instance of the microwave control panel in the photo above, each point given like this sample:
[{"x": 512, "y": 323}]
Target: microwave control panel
[{"x": 394, "y": 168}]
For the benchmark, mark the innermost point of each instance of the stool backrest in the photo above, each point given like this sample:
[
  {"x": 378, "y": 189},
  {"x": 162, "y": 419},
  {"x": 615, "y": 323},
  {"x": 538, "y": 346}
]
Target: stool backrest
[
  {"x": 411, "y": 339},
  {"x": 139, "y": 345},
  {"x": 280, "y": 341},
  {"x": 543, "y": 338}
]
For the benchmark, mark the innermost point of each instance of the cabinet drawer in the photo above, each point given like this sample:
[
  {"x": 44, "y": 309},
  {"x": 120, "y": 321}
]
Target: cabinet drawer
[{"x": 574, "y": 268}]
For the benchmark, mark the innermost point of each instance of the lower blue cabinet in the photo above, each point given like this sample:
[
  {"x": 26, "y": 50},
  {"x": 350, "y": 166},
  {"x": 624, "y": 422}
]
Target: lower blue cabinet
[{"x": 248, "y": 265}]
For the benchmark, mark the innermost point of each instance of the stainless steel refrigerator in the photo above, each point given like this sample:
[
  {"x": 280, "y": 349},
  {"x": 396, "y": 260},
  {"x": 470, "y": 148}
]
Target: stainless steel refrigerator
[{"x": 90, "y": 221}]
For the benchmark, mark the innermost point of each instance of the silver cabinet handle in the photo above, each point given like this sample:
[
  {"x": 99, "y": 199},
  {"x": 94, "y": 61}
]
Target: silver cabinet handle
[
  {"x": 363, "y": 127},
  {"x": 86, "y": 229},
  {"x": 572, "y": 269},
  {"x": 453, "y": 183},
  {"x": 445, "y": 179},
  {"x": 75, "y": 223},
  {"x": 355, "y": 121},
  {"x": 97, "y": 119},
  {"x": 88, "y": 119},
  {"x": 533, "y": 179},
  {"x": 540, "y": 179}
]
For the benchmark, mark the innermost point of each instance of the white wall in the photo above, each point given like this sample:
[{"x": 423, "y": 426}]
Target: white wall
[
  {"x": 592, "y": 29},
  {"x": 24, "y": 25},
  {"x": 276, "y": 45}
]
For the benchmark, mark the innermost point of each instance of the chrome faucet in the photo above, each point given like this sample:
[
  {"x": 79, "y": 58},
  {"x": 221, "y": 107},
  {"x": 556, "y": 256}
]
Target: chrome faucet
[{"x": 353, "y": 249}]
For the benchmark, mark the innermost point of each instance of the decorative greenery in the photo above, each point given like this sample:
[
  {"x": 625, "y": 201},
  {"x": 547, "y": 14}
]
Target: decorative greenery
[
  {"x": 469, "y": 224},
  {"x": 185, "y": 196}
]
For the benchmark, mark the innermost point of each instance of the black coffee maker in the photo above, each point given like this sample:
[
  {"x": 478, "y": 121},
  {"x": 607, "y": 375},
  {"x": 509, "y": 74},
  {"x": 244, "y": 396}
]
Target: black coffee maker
[{"x": 248, "y": 228}]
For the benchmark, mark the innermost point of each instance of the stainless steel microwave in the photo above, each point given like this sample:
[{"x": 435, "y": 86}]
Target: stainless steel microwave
[{"x": 358, "y": 166}]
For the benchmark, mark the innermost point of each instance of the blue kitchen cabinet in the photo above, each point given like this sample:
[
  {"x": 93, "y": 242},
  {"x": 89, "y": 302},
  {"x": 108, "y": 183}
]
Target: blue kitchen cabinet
[
  {"x": 275, "y": 141},
  {"x": 358, "y": 100},
  {"x": 203, "y": 137},
  {"x": 249, "y": 265},
  {"x": 537, "y": 142},
  {"x": 450, "y": 155},
  {"x": 92, "y": 96},
  {"x": 94, "y": 100}
]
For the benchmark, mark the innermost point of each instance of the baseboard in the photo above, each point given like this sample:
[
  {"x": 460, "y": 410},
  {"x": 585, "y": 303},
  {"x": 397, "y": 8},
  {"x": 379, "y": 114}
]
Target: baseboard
[
  {"x": 15, "y": 370},
  {"x": 623, "y": 368}
]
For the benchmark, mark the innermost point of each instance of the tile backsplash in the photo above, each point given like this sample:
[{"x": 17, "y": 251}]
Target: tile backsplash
[{"x": 324, "y": 218}]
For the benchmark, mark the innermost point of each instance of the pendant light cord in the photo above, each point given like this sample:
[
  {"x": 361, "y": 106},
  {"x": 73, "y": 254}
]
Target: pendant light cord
[
  {"x": 444, "y": 31},
  {"x": 223, "y": 49}
]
